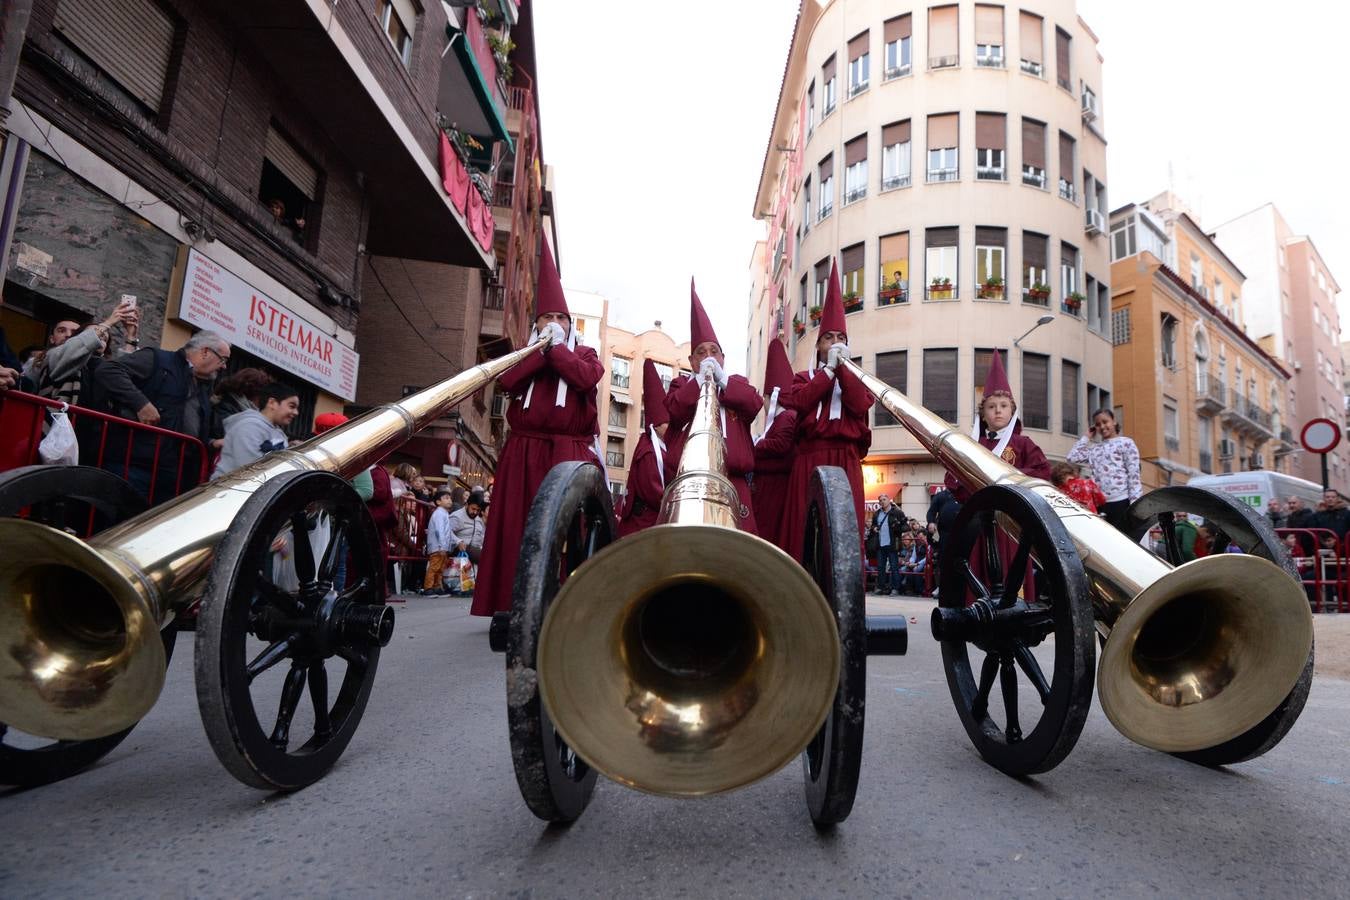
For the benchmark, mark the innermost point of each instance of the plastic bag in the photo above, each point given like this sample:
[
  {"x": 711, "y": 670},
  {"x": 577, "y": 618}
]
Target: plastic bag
[
  {"x": 466, "y": 572},
  {"x": 59, "y": 447}
]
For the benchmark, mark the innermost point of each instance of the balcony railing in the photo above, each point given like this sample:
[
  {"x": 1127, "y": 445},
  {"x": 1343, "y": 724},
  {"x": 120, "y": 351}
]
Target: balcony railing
[
  {"x": 898, "y": 71},
  {"x": 1069, "y": 426},
  {"x": 825, "y": 212},
  {"x": 1287, "y": 435},
  {"x": 1033, "y": 176},
  {"x": 619, "y": 381},
  {"x": 855, "y": 195},
  {"x": 1210, "y": 392},
  {"x": 495, "y": 296},
  {"x": 892, "y": 296},
  {"x": 856, "y": 89},
  {"x": 1033, "y": 68},
  {"x": 614, "y": 458},
  {"x": 1036, "y": 298},
  {"x": 1068, "y": 190},
  {"x": 894, "y": 181},
  {"x": 1173, "y": 443},
  {"x": 943, "y": 292},
  {"x": 951, "y": 174},
  {"x": 944, "y": 62},
  {"x": 990, "y": 61},
  {"x": 1037, "y": 420},
  {"x": 989, "y": 173},
  {"x": 504, "y": 194}
]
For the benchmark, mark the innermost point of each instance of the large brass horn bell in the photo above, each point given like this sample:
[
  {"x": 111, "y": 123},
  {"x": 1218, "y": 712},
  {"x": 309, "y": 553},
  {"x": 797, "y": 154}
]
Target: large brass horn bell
[{"x": 690, "y": 658}]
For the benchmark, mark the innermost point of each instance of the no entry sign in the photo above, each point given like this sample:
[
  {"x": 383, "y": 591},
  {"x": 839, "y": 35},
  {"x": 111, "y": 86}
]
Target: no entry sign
[{"x": 1320, "y": 436}]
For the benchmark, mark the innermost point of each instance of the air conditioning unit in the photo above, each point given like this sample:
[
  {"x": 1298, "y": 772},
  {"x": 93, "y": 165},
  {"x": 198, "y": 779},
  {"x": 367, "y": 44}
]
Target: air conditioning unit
[
  {"x": 1096, "y": 222},
  {"x": 1298, "y": 367},
  {"x": 1089, "y": 106},
  {"x": 500, "y": 400},
  {"x": 1226, "y": 449},
  {"x": 1258, "y": 461}
]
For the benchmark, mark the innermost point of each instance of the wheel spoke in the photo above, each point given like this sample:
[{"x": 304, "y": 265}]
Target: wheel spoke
[
  {"x": 274, "y": 595},
  {"x": 1026, "y": 661},
  {"x": 318, "y": 695},
  {"x": 290, "y": 698},
  {"x": 1008, "y": 681},
  {"x": 974, "y": 583},
  {"x": 1016, "y": 573},
  {"x": 993, "y": 566},
  {"x": 265, "y": 660},
  {"x": 1169, "y": 529},
  {"x": 979, "y": 708},
  {"x": 336, "y": 546},
  {"x": 301, "y": 549},
  {"x": 593, "y": 537},
  {"x": 351, "y": 593},
  {"x": 352, "y": 655}
]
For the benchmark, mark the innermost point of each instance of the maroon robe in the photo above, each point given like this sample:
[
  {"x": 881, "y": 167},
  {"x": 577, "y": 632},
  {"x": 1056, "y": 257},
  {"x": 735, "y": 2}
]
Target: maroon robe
[
  {"x": 1021, "y": 453},
  {"x": 822, "y": 441},
  {"x": 542, "y": 436},
  {"x": 773, "y": 464},
  {"x": 740, "y": 403},
  {"x": 645, "y": 487}
]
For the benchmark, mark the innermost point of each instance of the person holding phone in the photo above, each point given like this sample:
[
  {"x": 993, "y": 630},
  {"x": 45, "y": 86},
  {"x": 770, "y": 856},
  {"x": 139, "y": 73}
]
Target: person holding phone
[{"x": 1114, "y": 460}]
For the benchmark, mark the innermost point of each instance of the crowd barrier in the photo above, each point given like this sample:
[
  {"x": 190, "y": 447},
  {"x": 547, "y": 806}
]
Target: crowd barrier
[
  {"x": 928, "y": 574},
  {"x": 1323, "y": 562}
]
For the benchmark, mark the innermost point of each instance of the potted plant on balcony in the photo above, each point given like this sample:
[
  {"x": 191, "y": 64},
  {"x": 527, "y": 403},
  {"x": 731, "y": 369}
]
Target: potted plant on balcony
[
  {"x": 852, "y": 302},
  {"x": 814, "y": 313},
  {"x": 1039, "y": 292},
  {"x": 501, "y": 47},
  {"x": 891, "y": 292},
  {"x": 797, "y": 327},
  {"x": 1075, "y": 301},
  {"x": 940, "y": 289},
  {"x": 992, "y": 289}
]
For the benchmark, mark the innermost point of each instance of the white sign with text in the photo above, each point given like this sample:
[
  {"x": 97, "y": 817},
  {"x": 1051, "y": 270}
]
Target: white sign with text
[{"x": 216, "y": 299}]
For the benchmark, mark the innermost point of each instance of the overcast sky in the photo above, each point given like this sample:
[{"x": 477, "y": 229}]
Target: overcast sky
[{"x": 656, "y": 116}]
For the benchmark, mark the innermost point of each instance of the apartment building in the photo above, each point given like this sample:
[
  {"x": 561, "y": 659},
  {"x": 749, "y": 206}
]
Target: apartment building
[
  {"x": 1196, "y": 393},
  {"x": 952, "y": 158},
  {"x": 1289, "y": 301}
]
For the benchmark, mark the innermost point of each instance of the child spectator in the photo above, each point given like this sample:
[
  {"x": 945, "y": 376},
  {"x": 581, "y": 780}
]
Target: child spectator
[
  {"x": 1083, "y": 491},
  {"x": 438, "y": 546}
]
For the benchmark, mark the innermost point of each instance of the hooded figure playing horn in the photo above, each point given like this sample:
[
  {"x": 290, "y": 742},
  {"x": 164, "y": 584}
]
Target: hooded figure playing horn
[
  {"x": 651, "y": 467},
  {"x": 775, "y": 448}
]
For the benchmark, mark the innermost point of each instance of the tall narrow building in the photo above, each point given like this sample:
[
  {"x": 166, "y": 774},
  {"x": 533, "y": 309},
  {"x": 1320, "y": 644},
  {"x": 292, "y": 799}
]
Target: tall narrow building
[{"x": 952, "y": 157}]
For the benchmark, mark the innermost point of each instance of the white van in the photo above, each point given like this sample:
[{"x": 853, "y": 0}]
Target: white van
[{"x": 1256, "y": 488}]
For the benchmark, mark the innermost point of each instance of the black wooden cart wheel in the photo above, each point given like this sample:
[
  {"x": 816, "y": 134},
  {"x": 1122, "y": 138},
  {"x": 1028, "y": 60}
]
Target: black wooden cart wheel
[
  {"x": 1252, "y": 532},
  {"x": 82, "y": 500},
  {"x": 261, "y": 640},
  {"x": 1003, "y": 533},
  {"x": 832, "y": 554},
  {"x": 571, "y": 519}
]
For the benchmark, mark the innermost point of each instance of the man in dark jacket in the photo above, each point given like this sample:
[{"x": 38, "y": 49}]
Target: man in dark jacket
[
  {"x": 170, "y": 389},
  {"x": 888, "y": 522},
  {"x": 1299, "y": 516},
  {"x": 1335, "y": 515}
]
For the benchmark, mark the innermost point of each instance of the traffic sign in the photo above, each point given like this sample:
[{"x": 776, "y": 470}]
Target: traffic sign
[{"x": 1320, "y": 435}]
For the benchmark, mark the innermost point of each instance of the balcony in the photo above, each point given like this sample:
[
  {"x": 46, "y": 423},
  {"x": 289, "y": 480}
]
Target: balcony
[
  {"x": 1206, "y": 462},
  {"x": 1033, "y": 176},
  {"x": 1172, "y": 443},
  {"x": 1210, "y": 394},
  {"x": 854, "y": 195},
  {"x": 481, "y": 110},
  {"x": 1068, "y": 191},
  {"x": 495, "y": 296},
  {"x": 503, "y": 194},
  {"x": 1247, "y": 418},
  {"x": 1033, "y": 68}
]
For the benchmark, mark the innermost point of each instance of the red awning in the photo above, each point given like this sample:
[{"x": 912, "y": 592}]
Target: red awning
[{"x": 891, "y": 489}]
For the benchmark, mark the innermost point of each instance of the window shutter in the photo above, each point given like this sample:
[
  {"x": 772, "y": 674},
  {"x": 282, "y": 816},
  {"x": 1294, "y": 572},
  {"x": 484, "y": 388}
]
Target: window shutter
[
  {"x": 858, "y": 46},
  {"x": 942, "y": 32},
  {"x": 991, "y": 237},
  {"x": 1068, "y": 254},
  {"x": 1034, "y": 249},
  {"x": 1036, "y": 390},
  {"x": 283, "y": 154},
  {"x": 130, "y": 40},
  {"x": 1068, "y": 394},
  {"x": 1066, "y": 157},
  {"x": 892, "y": 368},
  {"x": 855, "y": 151},
  {"x": 942, "y": 131},
  {"x": 1030, "y": 33},
  {"x": 851, "y": 259},
  {"x": 1033, "y": 143},
  {"x": 407, "y": 14},
  {"x": 1062, "y": 57},
  {"x": 989, "y": 131},
  {"x": 989, "y": 25},
  {"x": 942, "y": 237},
  {"x": 823, "y": 271},
  {"x": 826, "y": 168},
  {"x": 895, "y": 246},
  {"x": 898, "y": 28},
  {"x": 827, "y": 70},
  {"x": 939, "y": 382},
  {"x": 896, "y": 133}
]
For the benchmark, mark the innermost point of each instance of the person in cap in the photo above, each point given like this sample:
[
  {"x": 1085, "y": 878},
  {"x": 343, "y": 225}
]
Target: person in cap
[
  {"x": 832, "y": 407},
  {"x": 998, "y": 428},
  {"x": 553, "y": 420},
  {"x": 739, "y": 404},
  {"x": 649, "y": 473},
  {"x": 775, "y": 448}
]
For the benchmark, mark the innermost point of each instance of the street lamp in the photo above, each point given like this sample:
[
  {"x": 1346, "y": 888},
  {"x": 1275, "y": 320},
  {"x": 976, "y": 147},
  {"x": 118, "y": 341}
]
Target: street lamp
[{"x": 1043, "y": 320}]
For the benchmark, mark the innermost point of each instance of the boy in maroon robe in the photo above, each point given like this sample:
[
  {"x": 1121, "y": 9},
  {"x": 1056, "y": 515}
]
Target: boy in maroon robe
[
  {"x": 775, "y": 448},
  {"x": 832, "y": 407},
  {"x": 739, "y": 400},
  {"x": 649, "y": 472},
  {"x": 998, "y": 428},
  {"x": 553, "y": 420}
]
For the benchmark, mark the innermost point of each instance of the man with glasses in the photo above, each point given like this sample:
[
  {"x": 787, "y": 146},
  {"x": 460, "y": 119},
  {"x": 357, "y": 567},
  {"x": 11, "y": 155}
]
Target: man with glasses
[{"x": 170, "y": 389}]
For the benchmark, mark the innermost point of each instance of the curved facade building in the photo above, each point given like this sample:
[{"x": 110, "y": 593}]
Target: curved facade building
[{"x": 953, "y": 158}]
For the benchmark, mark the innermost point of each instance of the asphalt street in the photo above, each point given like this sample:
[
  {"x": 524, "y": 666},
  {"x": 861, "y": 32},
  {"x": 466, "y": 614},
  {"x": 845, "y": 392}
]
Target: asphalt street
[{"x": 424, "y": 803}]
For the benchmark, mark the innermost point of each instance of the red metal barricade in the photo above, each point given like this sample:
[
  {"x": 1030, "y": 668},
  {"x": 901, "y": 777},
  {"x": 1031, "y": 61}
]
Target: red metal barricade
[
  {"x": 1323, "y": 566},
  {"x": 168, "y": 463}
]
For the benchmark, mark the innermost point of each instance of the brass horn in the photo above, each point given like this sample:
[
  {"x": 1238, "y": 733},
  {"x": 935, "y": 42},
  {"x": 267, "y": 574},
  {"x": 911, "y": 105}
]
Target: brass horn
[
  {"x": 1195, "y": 655},
  {"x": 692, "y": 657},
  {"x": 80, "y": 620}
]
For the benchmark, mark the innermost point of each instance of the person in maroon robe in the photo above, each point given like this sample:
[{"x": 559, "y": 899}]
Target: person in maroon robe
[
  {"x": 832, "y": 407},
  {"x": 998, "y": 428},
  {"x": 775, "y": 448},
  {"x": 650, "y": 471},
  {"x": 739, "y": 404},
  {"x": 553, "y": 420}
]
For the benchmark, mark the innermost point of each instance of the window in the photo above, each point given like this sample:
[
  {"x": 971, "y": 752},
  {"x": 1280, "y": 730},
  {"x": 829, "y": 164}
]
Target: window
[
  {"x": 810, "y": 108},
  {"x": 989, "y": 36},
  {"x": 614, "y": 452},
  {"x": 806, "y": 206},
  {"x": 619, "y": 371},
  {"x": 1094, "y": 319},
  {"x": 398, "y": 18},
  {"x": 1098, "y": 398},
  {"x": 851, "y": 265},
  {"x": 1122, "y": 239},
  {"x": 943, "y": 43},
  {"x": 1171, "y": 424},
  {"x": 1205, "y": 440},
  {"x": 1120, "y": 326},
  {"x": 289, "y": 184},
  {"x": 984, "y": 358},
  {"x": 892, "y": 368},
  {"x": 855, "y": 169},
  {"x": 1030, "y": 32},
  {"x": 1036, "y": 390},
  {"x": 667, "y": 373},
  {"x": 1218, "y": 297},
  {"x": 897, "y": 37},
  {"x": 829, "y": 89},
  {"x": 1063, "y": 43},
  {"x": 1035, "y": 269},
  {"x": 822, "y": 281},
  {"x": 990, "y": 271},
  {"x": 859, "y": 64},
  {"x": 1068, "y": 397},
  {"x": 990, "y": 145},
  {"x": 1103, "y": 305},
  {"x": 130, "y": 41},
  {"x": 801, "y": 319},
  {"x": 1070, "y": 298},
  {"x": 1033, "y": 153},
  {"x": 894, "y": 272},
  {"x": 941, "y": 264},
  {"x": 1067, "y": 188},
  {"x": 895, "y": 156},
  {"x": 618, "y": 415},
  {"x": 1280, "y": 250},
  {"x": 1197, "y": 274},
  {"x": 826, "y": 175},
  {"x": 939, "y": 383},
  {"x": 942, "y": 147}
]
